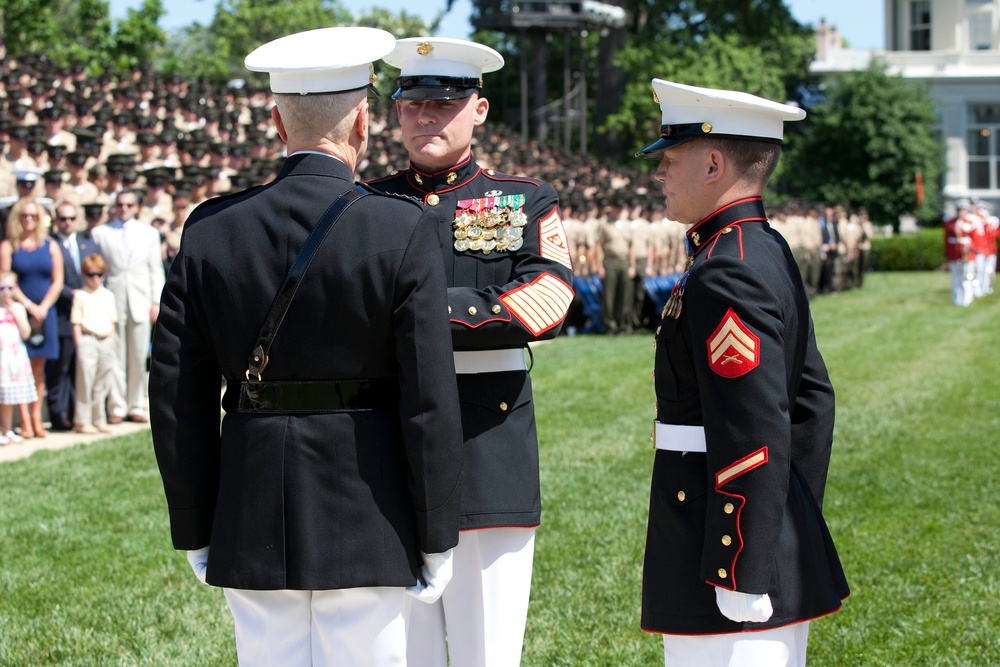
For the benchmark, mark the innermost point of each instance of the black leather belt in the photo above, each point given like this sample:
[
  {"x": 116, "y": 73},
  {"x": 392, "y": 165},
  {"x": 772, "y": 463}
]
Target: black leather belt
[{"x": 320, "y": 396}]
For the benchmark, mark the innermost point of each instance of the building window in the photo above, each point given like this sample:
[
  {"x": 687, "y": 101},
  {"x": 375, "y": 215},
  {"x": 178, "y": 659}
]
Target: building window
[
  {"x": 920, "y": 25},
  {"x": 980, "y": 32},
  {"x": 983, "y": 146}
]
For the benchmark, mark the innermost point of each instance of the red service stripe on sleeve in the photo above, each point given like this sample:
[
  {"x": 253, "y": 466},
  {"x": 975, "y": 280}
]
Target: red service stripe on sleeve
[
  {"x": 553, "y": 239},
  {"x": 741, "y": 467},
  {"x": 540, "y": 305}
]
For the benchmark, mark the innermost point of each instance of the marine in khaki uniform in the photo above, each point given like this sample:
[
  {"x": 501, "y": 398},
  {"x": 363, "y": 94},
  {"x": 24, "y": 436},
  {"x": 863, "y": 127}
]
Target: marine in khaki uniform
[{"x": 612, "y": 261}]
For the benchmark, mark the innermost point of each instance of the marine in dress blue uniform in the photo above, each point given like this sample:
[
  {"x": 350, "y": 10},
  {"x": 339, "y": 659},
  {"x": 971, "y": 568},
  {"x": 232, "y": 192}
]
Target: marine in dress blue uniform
[
  {"x": 311, "y": 512},
  {"x": 736, "y": 540},
  {"x": 508, "y": 268}
]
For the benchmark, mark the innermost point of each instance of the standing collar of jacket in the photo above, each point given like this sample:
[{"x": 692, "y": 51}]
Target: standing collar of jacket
[
  {"x": 445, "y": 179},
  {"x": 750, "y": 209},
  {"x": 311, "y": 162}
]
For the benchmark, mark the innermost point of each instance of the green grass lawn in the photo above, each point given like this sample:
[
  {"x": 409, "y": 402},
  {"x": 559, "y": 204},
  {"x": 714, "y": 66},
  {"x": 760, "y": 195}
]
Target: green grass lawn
[{"x": 89, "y": 577}]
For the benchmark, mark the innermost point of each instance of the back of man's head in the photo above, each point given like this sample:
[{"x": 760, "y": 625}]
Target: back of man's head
[{"x": 310, "y": 118}]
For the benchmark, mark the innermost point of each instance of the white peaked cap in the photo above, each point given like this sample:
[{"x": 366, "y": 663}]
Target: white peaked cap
[
  {"x": 437, "y": 68},
  {"x": 325, "y": 60},
  {"x": 689, "y": 112}
]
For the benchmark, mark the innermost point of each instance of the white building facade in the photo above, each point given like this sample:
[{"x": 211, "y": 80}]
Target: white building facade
[{"x": 954, "y": 46}]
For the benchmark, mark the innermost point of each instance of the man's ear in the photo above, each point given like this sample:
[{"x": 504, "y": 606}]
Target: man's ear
[
  {"x": 279, "y": 123},
  {"x": 361, "y": 121},
  {"x": 715, "y": 165},
  {"x": 480, "y": 110}
]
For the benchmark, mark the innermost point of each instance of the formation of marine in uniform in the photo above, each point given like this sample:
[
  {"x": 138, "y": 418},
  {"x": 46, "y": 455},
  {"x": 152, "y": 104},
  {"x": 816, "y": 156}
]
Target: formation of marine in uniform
[
  {"x": 627, "y": 258},
  {"x": 970, "y": 246}
]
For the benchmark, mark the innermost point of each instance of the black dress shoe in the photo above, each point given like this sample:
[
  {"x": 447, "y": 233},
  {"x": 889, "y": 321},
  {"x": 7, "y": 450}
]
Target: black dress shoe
[{"x": 61, "y": 424}]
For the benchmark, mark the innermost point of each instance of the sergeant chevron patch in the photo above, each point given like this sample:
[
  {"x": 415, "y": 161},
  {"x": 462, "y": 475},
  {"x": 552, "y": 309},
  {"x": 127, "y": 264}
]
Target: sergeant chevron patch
[
  {"x": 553, "y": 239},
  {"x": 540, "y": 305},
  {"x": 733, "y": 350}
]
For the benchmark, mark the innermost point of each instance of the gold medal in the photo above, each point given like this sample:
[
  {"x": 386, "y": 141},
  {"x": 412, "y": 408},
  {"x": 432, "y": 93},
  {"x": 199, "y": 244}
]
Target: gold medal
[
  {"x": 461, "y": 234},
  {"x": 476, "y": 245},
  {"x": 475, "y": 232},
  {"x": 461, "y": 245}
]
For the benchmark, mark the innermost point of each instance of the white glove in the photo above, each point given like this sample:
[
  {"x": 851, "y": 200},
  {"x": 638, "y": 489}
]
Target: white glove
[
  {"x": 742, "y": 607},
  {"x": 199, "y": 562},
  {"x": 435, "y": 575}
]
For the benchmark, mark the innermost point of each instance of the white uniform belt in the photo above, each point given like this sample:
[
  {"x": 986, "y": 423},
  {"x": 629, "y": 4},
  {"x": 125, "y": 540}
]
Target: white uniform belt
[
  {"x": 678, "y": 437},
  {"x": 489, "y": 361}
]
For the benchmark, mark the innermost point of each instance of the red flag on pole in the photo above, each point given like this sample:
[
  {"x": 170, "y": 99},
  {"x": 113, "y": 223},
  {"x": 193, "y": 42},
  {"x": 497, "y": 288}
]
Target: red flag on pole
[{"x": 920, "y": 189}]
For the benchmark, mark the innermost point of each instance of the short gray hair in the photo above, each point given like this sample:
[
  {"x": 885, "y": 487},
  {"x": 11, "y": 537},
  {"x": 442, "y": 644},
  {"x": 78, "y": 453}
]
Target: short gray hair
[{"x": 328, "y": 115}]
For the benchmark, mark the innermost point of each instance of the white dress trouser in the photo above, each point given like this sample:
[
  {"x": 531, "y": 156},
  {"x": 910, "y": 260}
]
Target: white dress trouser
[
  {"x": 961, "y": 284},
  {"x": 781, "y": 647},
  {"x": 128, "y": 388},
  {"x": 484, "y": 607},
  {"x": 355, "y": 627}
]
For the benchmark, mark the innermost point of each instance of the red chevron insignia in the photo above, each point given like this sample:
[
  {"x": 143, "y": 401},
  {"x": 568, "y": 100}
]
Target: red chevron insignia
[{"x": 733, "y": 350}]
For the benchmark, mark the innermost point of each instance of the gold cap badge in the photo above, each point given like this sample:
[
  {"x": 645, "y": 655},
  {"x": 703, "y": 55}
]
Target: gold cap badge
[
  {"x": 656, "y": 98},
  {"x": 706, "y": 127},
  {"x": 424, "y": 48}
]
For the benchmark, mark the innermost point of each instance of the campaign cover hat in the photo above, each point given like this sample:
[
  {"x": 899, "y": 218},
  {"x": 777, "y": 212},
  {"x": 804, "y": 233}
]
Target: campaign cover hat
[
  {"x": 325, "y": 60},
  {"x": 440, "y": 68},
  {"x": 689, "y": 112}
]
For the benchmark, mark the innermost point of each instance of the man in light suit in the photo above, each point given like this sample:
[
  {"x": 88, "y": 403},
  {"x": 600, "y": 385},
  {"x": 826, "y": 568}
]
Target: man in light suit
[
  {"x": 135, "y": 276},
  {"x": 60, "y": 373}
]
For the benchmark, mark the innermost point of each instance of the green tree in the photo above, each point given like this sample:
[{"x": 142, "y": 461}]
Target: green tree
[
  {"x": 26, "y": 26},
  {"x": 138, "y": 37},
  {"x": 865, "y": 144},
  {"x": 752, "y": 45}
]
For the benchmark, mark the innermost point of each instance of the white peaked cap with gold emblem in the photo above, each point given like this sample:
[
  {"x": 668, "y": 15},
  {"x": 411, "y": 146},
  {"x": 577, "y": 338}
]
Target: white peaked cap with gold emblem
[
  {"x": 440, "y": 68},
  {"x": 690, "y": 112},
  {"x": 325, "y": 60}
]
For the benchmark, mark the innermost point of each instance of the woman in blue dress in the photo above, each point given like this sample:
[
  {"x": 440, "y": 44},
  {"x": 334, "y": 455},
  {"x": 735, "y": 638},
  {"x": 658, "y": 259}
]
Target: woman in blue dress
[{"x": 37, "y": 260}]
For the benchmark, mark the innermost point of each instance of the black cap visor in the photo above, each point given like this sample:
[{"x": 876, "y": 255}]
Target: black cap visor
[{"x": 428, "y": 88}]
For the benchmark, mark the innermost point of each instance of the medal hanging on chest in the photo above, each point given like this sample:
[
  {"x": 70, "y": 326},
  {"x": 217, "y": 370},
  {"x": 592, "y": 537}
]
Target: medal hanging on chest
[
  {"x": 491, "y": 224},
  {"x": 676, "y": 301}
]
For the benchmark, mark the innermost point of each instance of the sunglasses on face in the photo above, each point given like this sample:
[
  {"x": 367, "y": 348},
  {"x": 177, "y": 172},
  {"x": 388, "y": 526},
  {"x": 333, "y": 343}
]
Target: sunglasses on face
[
  {"x": 94, "y": 275},
  {"x": 66, "y": 218}
]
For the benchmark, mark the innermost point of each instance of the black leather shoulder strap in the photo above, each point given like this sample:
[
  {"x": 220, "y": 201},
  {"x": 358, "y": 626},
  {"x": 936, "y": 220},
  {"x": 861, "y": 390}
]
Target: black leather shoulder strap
[{"x": 283, "y": 299}]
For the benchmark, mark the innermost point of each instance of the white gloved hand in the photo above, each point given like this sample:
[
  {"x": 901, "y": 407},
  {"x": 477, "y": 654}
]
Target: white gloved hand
[
  {"x": 434, "y": 575},
  {"x": 199, "y": 562},
  {"x": 742, "y": 607}
]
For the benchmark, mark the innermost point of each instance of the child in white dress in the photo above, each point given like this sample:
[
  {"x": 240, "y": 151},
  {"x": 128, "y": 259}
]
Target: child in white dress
[{"x": 17, "y": 384}]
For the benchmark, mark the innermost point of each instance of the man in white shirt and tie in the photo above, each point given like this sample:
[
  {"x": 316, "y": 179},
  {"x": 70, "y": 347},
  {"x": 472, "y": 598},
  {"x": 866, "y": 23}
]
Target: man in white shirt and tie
[
  {"x": 135, "y": 276},
  {"x": 60, "y": 373}
]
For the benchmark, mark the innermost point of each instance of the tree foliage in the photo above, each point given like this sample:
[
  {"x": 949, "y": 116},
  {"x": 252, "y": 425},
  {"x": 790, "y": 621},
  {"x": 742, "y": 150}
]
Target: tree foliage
[
  {"x": 865, "y": 144},
  {"x": 750, "y": 45},
  {"x": 216, "y": 51},
  {"x": 82, "y": 32}
]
